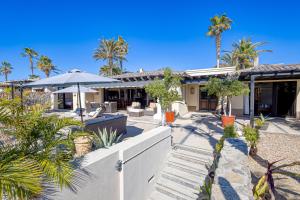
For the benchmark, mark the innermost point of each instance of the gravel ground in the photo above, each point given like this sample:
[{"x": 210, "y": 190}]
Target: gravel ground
[{"x": 274, "y": 147}]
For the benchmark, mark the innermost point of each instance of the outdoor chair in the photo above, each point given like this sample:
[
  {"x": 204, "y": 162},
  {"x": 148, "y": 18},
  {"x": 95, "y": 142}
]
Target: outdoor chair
[
  {"x": 98, "y": 112},
  {"x": 111, "y": 107},
  {"x": 151, "y": 110}
]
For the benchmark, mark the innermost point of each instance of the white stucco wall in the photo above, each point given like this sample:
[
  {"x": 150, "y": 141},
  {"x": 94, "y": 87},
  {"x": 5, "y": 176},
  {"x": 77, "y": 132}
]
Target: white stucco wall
[
  {"x": 298, "y": 100},
  {"x": 237, "y": 102},
  {"x": 142, "y": 157}
]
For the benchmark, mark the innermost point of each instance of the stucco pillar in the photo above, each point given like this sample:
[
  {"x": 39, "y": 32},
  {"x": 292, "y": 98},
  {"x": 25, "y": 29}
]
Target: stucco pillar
[
  {"x": 54, "y": 101},
  {"x": 298, "y": 100},
  {"x": 246, "y": 105}
]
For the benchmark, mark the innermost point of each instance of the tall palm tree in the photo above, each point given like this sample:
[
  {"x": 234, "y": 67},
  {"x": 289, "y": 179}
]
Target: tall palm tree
[
  {"x": 105, "y": 70},
  {"x": 108, "y": 50},
  {"x": 45, "y": 64},
  {"x": 31, "y": 54},
  {"x": 245, "y": 52},
  {"x": 5, "y": 69},
  {"x": 122, "y": 51},
  {"x": 219, "y": 24}
]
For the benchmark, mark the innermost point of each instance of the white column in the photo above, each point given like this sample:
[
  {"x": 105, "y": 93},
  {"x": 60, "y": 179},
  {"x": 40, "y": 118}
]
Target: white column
[
  {"x": 246, "y": 105},
  {"x": 298, "y": 100}
]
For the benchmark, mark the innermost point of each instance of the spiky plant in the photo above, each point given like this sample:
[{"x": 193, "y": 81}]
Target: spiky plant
[
  {"x": 107, "y": 139},
  {"x": 266, "y": 184},
  {"x": 40, "y": 145},
  {"x": 46, "y": 65}
]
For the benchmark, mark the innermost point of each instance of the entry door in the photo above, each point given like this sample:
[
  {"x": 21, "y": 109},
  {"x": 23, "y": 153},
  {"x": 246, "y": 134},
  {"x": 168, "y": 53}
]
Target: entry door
[
  {"x": 207, "y": 102},
  {"x": 286, "y": 95}
]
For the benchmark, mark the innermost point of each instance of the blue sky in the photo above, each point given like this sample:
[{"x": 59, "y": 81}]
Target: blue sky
[{"x": 159, "y": 33}]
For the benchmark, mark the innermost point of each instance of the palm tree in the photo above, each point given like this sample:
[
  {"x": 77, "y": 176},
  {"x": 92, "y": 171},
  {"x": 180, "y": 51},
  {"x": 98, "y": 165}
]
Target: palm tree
[
  {"x": 45, "y": 64},
  {"x": 245, "y": 52},
  {"x": 108, "y": 50},
  {"x": 219, "y": 24},
  {"x": 6, "y": 69},
  {"x": 105, "y": 70},
  {"x": 31, "y": 54},
  {"x": 122, "y": 51},
  {"x": 228, "y": 60}
]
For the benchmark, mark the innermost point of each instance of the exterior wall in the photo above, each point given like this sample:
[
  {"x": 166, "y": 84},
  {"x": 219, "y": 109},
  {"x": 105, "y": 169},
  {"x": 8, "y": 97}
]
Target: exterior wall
[
  {"x": 141, "y": 157},
  {"x": 298, "y": 100},
  {"x": 192, "y": 99},
  {"x": 237, "y": 104}
]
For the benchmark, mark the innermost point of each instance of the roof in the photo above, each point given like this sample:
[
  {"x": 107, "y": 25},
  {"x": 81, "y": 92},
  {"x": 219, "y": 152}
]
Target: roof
[
  {"x": 210, "y": 71},
  {"x": 131, "y": 84},
  {"x": 147, "y": 75}
]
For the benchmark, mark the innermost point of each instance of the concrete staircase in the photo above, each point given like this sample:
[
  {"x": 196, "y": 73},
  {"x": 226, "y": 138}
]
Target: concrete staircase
[{"x": 183, "y": 174}]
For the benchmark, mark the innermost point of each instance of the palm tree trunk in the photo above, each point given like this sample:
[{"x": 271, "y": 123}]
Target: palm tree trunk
[
  {"x": 110, "y": 64},
  {"x": 6, "y": 77},
  {"x": 121, "y": 65},
  {"x": 218, "y": 48},
  {"x": 31, "y": 65}
]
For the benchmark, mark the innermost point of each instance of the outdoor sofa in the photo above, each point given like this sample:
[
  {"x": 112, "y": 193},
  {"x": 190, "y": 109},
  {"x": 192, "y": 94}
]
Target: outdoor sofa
[{"x": 151, "y": 110}]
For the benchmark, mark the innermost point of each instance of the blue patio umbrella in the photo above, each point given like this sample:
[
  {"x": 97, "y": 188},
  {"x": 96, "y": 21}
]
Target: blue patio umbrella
[{"x": 73, "y": 77}]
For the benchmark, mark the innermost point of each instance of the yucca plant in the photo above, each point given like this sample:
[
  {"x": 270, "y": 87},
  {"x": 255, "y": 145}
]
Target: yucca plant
[
  {"x": 42, "y": 151},
  {"x": 266, "y": 184},
  {"x": 107, "y": 139}
]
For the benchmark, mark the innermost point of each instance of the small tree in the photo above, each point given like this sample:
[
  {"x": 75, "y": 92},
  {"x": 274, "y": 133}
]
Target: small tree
[
  {"x": 165, "y": 90},
  {"x": 226, "y": 89}
]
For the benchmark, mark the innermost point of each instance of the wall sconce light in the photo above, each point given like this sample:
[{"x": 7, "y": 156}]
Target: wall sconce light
[{"x": 192, "y": 90}]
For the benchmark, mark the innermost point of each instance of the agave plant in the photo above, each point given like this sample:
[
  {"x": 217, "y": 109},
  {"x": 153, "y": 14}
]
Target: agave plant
[
  {"x": 252, "y": 136},
  {"x": 107, "y": 139},
  {"x": 266, "y": 184}
]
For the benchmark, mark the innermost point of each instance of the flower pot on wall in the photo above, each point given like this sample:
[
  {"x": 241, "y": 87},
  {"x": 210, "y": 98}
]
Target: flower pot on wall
[
  {"x": 170, "y": 117},
  {"x": 83, "y": 145},
  {"x": 227, "y": 120}
]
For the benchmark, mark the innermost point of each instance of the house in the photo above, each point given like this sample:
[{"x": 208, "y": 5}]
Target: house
[{"x": 276, "y": 90}]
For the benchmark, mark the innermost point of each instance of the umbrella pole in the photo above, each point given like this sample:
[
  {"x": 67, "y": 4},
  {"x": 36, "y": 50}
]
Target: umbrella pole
[{"x": 80, "y": 107}]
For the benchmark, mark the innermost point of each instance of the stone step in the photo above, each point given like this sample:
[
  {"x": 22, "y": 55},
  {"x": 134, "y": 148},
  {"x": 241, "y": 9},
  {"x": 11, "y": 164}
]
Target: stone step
[
  {"x": 193, "y": 149},
  {"x": 195, "y": 178},
  {"x": 190, "y": 158},
  {"x": 195, "y": 155},
  {"x": 176, "y": 191},
  {"x": 188, "y": 164},
  {"x": 156, "y": 195},
  {"x": 187, "y": 169},
  {"x": 183, "y": 180}
]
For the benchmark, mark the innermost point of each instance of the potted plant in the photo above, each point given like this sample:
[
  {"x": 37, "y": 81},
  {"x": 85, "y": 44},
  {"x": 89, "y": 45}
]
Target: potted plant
[
  {"x": 165, "y": 91},
  {"x": 225, "y": 89},
  {"x": 82, "y": 142}
]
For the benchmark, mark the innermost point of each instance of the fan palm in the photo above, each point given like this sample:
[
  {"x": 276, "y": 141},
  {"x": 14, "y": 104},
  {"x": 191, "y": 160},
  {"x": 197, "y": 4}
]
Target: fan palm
[
  {"x": 42, "y": 154},
  {"x": 122, "y": 51},
  {"x": 45, "y": 64},
  {"x": 106, "y": 70},
  {"x": 219, "y": 24},
  {"x": 108, "y": 50},
  {"x": 228, "y": 60},
  {"x": 31, "y": 54},
  {"x": 245, "y": 52},
  {"x": 5, "y": 69}
]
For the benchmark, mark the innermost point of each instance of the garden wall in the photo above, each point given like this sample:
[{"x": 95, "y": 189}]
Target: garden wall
[
  {"x": 232, "y": 177},
  {"x": 104, "y": 179}
]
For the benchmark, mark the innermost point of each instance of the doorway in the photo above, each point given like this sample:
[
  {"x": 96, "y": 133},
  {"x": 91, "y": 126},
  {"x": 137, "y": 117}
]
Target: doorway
[{"x": 207, "y": 102}]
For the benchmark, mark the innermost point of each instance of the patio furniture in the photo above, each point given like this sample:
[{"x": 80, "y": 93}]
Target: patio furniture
[
  {"x": 111, "y": 107},
  {"x": 135, "y": 112},
  {"x": 113, "y": 122},
  {"x": 98, "y": 112},
  {"x": 151, "y": 110},
  {"x": 134, "y": 105}
]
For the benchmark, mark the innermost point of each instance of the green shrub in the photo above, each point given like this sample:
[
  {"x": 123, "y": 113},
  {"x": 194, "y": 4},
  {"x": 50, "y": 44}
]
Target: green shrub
[
  {"x": 251, "y": 135},
  {"x": 107, "y": 139},
  {"x": 229, "y": 132},
  {"x": 259, "y": 122}
]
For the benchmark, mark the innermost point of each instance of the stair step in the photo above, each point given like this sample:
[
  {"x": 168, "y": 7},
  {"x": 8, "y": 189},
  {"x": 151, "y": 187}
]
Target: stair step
[
  {"x": 183, "y": 180},
  {"x": 176, "y": 193},
  {"x": 196, "y": 172},
  {"x": 192, "y": 154},
  {"x": 190, "y": 165},
  {"x": 182, "y": 174},
  {"x": 200, "y": 160},
  {"x": 193, "y": 149},
  {"x": 156, "y": 195}
]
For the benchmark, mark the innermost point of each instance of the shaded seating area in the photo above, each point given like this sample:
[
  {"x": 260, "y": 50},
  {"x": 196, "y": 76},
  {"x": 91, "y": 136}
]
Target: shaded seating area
[{"x": 151, "y": 110}]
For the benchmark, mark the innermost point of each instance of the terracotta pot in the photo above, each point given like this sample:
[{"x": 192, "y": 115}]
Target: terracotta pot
[
  {"x": 83, "y": 145},
  {"x": 170, "y": 117},
  {"x": 227, "y": 120}
]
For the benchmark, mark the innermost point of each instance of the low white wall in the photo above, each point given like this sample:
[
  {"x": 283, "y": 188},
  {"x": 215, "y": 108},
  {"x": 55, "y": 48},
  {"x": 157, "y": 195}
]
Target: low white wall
[{"x": 141, "y": 156}]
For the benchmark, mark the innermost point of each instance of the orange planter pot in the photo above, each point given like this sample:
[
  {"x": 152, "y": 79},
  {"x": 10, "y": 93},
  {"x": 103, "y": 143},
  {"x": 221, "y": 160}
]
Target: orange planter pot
[
  {"x": 227, "y": 120},
  {"x": 170, "y": 117}
]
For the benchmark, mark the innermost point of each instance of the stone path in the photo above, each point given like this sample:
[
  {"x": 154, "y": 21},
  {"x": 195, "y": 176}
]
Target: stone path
[{"x": 187, "y": 164}]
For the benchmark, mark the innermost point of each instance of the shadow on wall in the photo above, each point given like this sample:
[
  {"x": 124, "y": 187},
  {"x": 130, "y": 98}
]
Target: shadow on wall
[{"x": 228, "y": 191}]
